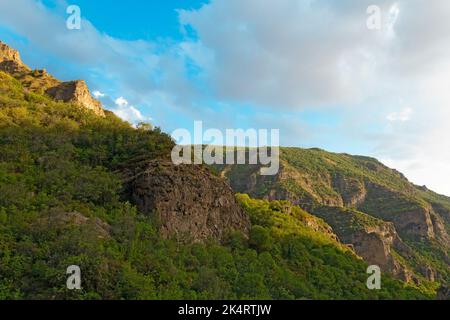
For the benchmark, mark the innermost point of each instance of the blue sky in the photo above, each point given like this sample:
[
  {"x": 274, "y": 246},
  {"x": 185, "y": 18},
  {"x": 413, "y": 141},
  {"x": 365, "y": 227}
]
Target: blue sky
[
  {"x": 310, "y": 68},
  {"x": 134, "y": 19}
]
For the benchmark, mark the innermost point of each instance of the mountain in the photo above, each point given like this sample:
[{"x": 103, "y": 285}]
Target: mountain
[
  {"x": 389, "y": 221},
  {"x": 79, "y": 186}
]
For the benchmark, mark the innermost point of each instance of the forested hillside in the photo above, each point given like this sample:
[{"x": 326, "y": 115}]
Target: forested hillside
[{"x": 66, "y": 198}]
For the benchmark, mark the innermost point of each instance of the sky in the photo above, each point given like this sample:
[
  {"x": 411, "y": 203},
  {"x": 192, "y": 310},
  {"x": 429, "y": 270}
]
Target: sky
[{"x": 311, "y": 68}]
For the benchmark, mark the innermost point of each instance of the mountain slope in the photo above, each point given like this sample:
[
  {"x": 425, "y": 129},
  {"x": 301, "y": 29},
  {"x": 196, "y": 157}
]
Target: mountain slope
[
  {"x": 65, "y": 200},
  {"x": 389, "y": 220}
]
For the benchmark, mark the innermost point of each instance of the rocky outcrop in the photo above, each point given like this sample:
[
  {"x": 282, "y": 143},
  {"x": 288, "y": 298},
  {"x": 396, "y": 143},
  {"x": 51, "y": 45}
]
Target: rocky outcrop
[
  {"x": 187, "y": 202},
  {"x": 412, "y": 219},
  {"x": 352, "y": 191},
  {"x": 376, "y": 245},
  {"x": 9, "y": 54},
  {"x": 372, "y": 239},
  {"x": 40, "y": 81},
  {"x": 442, "y": 211},
  {"x": 415, "y": 222},
  {"x": 10, "y": 60},
  {"x": 444, "y": 293},
  {"x": 13, "y": 67},
  {"x": 59, "y": 220},
  {"x": 76, "y": 92}
]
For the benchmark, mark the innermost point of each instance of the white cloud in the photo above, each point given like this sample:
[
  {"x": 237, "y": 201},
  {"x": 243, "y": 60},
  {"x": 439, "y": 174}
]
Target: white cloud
[
  {"x": 97, "y": 94},
  {"x": 128, "y": 112},
  {"x": 394, "y": 13},
  {"x": 288, "y": 54},
  {"x": 121, "y": 102},
  {"x": 401, "y": 116}
]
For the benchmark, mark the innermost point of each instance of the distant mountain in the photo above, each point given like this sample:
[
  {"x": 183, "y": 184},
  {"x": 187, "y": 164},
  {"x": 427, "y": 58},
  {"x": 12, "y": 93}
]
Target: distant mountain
[
  {"x": 79, "y": 186},
  {"x": 389, "y": 221}
]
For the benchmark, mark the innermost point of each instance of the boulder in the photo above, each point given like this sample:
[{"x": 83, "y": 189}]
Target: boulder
[
  {"x": 76, "y": 92},
  {"x": 188, "y": 202}
]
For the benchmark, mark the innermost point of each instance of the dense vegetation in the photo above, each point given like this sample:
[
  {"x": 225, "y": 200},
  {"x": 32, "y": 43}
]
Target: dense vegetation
[{"x": 61, "y": 204}]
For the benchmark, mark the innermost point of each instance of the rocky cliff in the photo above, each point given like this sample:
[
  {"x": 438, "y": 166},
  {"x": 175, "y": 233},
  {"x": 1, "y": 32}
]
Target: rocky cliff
[
  {"x": 9, "y": 54},
  {"x": 188, "y": 202},
  {"x": 40, "y": 81},
  {"x": 375, "y": 240},
  {"x": 10, "y": 60}
]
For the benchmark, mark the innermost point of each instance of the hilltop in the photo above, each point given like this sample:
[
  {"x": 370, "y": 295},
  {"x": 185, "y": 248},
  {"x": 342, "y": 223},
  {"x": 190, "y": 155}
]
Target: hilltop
[{"x": 39, "y": 81}]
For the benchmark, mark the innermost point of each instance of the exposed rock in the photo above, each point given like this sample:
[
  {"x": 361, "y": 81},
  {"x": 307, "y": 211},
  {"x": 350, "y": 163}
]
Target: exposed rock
[
  {"x": 352, "y": 191},
  {"x": 372, "y": 239},
  {"x": 442, "y": 211},
  {"x": 443, "y": 293},
  {"x": 188, "y": 202},
  {"x": 60, "y": 220},
  {"x": 411, "y": 218},
  {"x": 399, "y": 210},
  {"x": 10, "y": 60},
  {"x": 416, "y": 222},
  {"x": 375, "y": 246},
  {"x": 12, "y": 67},
  {"x": 76, "y": 92},
  {"x": 428, "y": 272},
  {"x": 9, "y": 54}
]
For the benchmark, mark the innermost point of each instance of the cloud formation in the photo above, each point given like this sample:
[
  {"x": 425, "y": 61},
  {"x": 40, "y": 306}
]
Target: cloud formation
[
  {"x": 297, "y": 55},
  {"x": 401, "y": 116},
  {"x": 127, "y": 112}
]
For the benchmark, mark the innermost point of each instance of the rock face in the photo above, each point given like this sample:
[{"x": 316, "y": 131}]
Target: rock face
[
  {"x": 188, "y": 202},
  {"x": 375, "y": 245},
  {"x": 10, "y": 60},
  {"x": 411, "y": 218},
  {"x": 444, "y": 293},
  {"x": 352, "y": 191},
  {"x": 57, "y": 219},
  {"x": 372, "y": 239},
  {"x": 9, "y": 54},
  {"x": 76, "y": 92}
]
